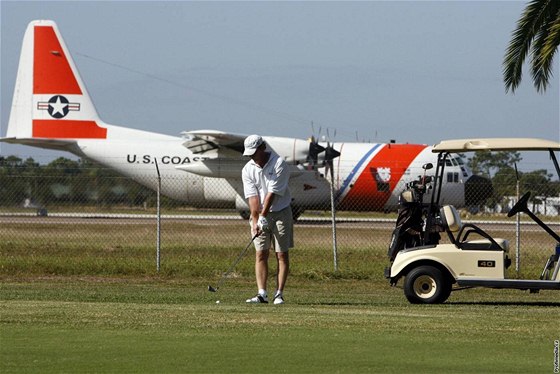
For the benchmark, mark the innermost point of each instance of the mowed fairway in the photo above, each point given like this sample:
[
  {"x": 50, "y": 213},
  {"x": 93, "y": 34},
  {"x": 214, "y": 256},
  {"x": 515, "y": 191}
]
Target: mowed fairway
[{"x": 96, "y": 306}]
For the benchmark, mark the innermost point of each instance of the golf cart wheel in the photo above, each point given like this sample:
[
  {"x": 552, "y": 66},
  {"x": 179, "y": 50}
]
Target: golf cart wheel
[{"x": 426, "y": 285}]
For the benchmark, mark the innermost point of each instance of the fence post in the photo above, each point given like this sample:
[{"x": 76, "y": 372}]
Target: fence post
[
  {"x": 333, "y": 217},
  {"x": 517, "y": 225},
  {"x": 158, "y": 215},
  {"x": 517, "y": 235}
]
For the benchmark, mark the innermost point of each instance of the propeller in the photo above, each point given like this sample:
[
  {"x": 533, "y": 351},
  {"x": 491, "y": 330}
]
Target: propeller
[
  {"x": 330, "y": 155},
  {"x": 315, "y": 149}
]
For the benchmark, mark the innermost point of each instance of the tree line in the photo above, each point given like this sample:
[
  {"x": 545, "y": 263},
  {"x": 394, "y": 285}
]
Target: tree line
[
  {"x": 66, "y": 181},
  {"x": 500, "y": 168}
]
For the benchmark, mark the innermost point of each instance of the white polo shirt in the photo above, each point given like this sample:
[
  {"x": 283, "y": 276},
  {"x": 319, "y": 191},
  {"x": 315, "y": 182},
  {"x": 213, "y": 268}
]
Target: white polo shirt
[{"x": 273, "y": 177}]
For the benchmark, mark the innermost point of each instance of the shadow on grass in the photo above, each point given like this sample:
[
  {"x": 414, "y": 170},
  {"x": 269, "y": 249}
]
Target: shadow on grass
[
  {"x": 333, "y": 303},
  {"x": 506, "y": 303},
  {"x": 487, "y": 303}
]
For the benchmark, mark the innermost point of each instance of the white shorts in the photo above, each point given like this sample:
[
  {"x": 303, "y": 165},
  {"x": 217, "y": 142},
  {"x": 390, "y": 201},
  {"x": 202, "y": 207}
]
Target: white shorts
[{"x": 282, "y": 230}]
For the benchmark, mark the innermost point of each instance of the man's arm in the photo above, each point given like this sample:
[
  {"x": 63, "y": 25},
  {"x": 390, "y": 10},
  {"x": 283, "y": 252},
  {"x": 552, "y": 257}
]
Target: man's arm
[
  {"x": 254, "y": 205},
  {"x": 278, "y": 185},
  {"x": 268, "y": 200}
]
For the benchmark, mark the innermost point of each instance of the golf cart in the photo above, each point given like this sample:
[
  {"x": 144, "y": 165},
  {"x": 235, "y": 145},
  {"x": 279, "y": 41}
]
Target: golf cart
[{"x": 472, "y": 258}]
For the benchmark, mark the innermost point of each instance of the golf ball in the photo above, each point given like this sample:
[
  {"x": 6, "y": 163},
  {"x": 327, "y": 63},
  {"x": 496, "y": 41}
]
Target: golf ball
[{"x": 217, "y": 301}]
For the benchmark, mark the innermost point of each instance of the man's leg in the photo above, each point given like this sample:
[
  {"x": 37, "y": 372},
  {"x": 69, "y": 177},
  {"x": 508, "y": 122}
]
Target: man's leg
[
  {"x": 284, "y": 240},
  {"x": 283, "y": 259},
  {"x": 261, "y": 268}
]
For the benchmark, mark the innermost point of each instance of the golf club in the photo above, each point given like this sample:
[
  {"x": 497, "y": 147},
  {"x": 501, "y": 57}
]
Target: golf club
[{"x": 224, "y": 275}]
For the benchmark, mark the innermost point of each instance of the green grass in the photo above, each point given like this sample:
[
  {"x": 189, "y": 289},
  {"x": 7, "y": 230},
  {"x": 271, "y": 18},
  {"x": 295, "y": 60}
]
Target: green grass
[
  {"x": 159, "y": 325},
  {"x": 87, "y": 298}
]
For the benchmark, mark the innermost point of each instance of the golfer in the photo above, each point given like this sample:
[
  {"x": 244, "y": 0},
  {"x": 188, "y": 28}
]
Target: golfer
[{"x": 265, "y": 184}]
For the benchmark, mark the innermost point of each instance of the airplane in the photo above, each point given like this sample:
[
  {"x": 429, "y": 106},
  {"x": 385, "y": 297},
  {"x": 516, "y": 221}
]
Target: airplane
[{"x": 52, "y": 109}]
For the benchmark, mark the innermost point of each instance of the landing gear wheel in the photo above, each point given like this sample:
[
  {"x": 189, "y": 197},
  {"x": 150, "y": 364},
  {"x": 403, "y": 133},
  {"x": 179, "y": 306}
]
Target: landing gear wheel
[{"x": 426, "y": 285}]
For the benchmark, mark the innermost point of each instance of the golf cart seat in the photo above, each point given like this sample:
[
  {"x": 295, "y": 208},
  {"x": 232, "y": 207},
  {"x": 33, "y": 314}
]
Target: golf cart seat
[{"x": 452, "y": 224}]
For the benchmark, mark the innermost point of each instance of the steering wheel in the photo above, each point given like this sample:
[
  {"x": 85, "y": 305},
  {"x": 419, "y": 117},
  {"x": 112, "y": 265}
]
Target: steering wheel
[{"x": 521, "y": 205}]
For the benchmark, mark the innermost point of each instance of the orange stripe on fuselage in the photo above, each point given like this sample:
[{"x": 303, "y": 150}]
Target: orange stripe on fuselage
[
  {"x": 68, "y": 129},
  {"x": 52, "y": 73},
  {"x": 370, "y": 193}
]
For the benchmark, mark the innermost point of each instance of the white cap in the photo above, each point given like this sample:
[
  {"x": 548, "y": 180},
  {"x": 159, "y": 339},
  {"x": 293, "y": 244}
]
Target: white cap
[{"x": 252, "y": 142}]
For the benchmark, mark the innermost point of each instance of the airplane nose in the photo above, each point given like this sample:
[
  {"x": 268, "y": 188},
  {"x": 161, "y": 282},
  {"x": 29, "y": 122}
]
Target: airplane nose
[{"x": 477, "y": 190}]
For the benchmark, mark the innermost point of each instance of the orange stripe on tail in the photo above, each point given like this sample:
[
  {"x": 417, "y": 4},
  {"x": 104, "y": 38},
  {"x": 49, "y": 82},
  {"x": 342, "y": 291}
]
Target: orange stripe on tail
[
  {"x": 51, "y": 71},
  {"x": 68, "y": 129}
]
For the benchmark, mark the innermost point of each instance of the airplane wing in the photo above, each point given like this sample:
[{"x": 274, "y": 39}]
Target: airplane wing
[
  {"x": 200, "y": 141},
  {"x": 230, "y": 163}
]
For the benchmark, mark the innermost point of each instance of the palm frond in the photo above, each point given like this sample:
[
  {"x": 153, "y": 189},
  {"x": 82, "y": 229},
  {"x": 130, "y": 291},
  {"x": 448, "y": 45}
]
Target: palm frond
[
  {"x": 537, "y": 14},
  {"x": 549, "y": 49},
  {"x": 543, "y": 51}
]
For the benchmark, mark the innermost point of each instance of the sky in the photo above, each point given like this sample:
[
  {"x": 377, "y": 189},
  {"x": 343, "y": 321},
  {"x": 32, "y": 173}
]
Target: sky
[{"x": 412, "y": 71}]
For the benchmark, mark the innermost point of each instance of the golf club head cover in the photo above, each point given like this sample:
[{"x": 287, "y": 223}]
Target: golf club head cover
[{"x": 262, "y": 223}]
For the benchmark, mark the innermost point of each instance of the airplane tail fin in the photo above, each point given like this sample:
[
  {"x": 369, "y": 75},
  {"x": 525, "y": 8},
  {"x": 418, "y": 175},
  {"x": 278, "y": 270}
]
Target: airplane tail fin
[{"x": 51, "y": 104}]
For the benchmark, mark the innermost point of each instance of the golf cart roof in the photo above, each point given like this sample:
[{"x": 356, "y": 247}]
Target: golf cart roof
[{"x": 495, "y": 144}]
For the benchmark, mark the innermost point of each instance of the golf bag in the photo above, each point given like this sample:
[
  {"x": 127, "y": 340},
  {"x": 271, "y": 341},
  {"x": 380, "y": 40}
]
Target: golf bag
[{"x": 411, "y": 226}]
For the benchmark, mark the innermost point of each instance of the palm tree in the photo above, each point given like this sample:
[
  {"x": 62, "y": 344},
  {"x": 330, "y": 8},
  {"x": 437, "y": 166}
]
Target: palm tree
[{"x": 539, "y": 25}]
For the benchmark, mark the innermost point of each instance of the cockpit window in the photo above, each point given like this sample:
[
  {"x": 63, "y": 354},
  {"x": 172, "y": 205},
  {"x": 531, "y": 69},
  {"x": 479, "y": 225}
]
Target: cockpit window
[
  {"x": 459, "y": 160},
  {"x": 454, "y": 160}
]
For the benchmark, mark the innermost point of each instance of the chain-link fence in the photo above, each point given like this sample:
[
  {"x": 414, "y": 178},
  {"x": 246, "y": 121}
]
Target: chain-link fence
[{"x": 74, "y": 208}]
